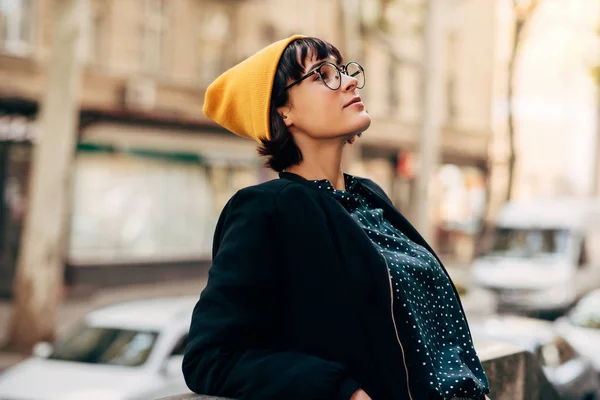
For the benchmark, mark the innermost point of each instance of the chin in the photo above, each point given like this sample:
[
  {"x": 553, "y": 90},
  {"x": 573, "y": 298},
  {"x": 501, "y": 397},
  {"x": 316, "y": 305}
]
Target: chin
[{"x": 362, "y": 123}]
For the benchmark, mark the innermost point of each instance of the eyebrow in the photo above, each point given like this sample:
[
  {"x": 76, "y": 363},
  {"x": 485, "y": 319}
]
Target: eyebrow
[
  {"x": 315, "y": 66},
  {"x": 329, "y": 59}
]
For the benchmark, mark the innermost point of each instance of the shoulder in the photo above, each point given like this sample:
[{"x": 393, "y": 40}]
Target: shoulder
[
  {"x": 270, "y": 190},
  {"x": 249, "y": 209},
  {"x": 267, "y": 195},
  {"x": 256, "y": 199},
  {"x": 264, "y": 206}
]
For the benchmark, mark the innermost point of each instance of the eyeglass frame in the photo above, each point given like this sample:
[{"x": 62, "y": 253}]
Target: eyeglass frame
[{"x": 341, "y": 69}]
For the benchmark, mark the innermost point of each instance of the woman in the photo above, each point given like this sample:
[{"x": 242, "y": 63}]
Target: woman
[{"x": 319, "y": 288}]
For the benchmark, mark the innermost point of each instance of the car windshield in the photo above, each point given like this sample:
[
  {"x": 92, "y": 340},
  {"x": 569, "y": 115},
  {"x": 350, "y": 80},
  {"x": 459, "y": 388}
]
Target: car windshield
[
  {"x": 97, "y": 345},
  {"x": 529, "y": 243}
]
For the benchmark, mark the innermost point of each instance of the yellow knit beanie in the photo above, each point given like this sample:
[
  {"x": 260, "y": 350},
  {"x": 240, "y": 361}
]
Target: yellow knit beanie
[{"x": 239, "y": 100}]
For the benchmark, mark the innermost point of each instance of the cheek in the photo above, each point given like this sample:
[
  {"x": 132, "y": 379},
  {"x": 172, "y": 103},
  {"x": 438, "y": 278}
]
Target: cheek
[{"x": 321, "y": 108}]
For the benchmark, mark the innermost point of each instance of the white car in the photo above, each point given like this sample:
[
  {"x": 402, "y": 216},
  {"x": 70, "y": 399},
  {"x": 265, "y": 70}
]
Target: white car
[
  {"x": 581, "y": 326},
  {"x": 127, "y": 351},
  {"x": 476, "y": 301}
]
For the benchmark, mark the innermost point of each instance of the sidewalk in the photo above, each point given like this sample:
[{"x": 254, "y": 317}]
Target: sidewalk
[{"x": 73, "y": 309}]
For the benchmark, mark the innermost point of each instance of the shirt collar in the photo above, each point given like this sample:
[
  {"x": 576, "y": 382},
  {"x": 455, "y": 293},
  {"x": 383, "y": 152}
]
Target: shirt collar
[{"x": 349, "y": 181}]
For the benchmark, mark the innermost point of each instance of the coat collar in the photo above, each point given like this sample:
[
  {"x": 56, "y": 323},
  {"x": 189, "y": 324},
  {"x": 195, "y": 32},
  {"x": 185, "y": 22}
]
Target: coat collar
[
  {"x": 394, "y": 216},
  {"x": 293, "y": 177},
  {"x": 390, "y": 211}
]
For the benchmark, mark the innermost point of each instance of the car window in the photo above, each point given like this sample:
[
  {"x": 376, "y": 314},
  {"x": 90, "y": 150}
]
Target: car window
[
  {"x": 529, "y": 243},
  {"x": 96, "y": 345},
  {"x": 180, "y": 346}
]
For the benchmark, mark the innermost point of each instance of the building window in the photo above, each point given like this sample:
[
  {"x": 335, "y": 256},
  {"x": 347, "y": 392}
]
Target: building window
[
  {"x": 124, "y": 210},
  {"x": 213, "y": 42},
  {"x": 96, "y": 33},
  {"x": 154, "y": 25},
  {"x": 16, "y": 26}
]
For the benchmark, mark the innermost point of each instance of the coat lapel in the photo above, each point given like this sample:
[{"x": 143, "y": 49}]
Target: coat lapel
[
  {"x": 400, "y": 222},
  {"x": 394, "y": 216}
]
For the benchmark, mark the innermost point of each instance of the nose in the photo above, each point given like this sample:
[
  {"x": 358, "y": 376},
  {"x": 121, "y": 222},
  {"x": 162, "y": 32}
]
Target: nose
[{"x": 349, "y": 83}]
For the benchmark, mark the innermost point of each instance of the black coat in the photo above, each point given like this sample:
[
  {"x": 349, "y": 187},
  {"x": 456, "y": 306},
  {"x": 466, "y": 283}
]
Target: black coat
[{"x": 298, "y": 301}]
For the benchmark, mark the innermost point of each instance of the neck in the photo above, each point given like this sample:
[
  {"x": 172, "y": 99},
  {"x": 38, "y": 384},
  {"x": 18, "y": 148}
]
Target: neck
[{"x": 321, "y": 160}]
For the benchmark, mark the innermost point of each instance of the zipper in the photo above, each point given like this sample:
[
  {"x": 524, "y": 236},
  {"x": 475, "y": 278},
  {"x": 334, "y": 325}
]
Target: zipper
[{"x": 387, "y": 268}]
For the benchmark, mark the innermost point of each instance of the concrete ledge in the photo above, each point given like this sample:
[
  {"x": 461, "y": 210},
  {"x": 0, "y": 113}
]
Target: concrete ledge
[
  {"x": 192, "y": 396},
  {"x": 513, "y": 374}
]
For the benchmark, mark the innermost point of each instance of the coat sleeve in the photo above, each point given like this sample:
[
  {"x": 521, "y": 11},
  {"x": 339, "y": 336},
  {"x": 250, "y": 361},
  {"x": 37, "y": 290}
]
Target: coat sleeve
[{"x": 231, "y": 349}]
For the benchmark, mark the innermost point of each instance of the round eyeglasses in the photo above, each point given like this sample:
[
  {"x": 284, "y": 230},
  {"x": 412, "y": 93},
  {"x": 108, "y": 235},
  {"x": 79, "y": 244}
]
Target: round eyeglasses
[{"x": 331, "y": 76}]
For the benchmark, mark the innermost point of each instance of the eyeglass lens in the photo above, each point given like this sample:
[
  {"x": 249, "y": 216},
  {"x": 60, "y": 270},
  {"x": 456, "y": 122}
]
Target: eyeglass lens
[{"x": 332, "y": 78}]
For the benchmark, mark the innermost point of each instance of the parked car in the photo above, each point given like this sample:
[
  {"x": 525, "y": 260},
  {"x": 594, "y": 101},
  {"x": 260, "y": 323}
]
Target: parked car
[
  {"x": 572, "y": 374},
  {"x": 543, "y": 255},
  {"x": 127, "y": 351},
  {"x": 476, "y": 301},
  {"x": 581, "y": 326}
]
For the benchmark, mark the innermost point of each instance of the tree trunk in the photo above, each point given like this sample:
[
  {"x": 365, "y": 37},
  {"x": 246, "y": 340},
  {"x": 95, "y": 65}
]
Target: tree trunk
[
  {"x": 40, "y": 268},
  {"x": 521, "y": 22},
  {"x": 510, "y": 114},
  {"x": 429, "y": 138},
  {"x": 595, "y": 190}
]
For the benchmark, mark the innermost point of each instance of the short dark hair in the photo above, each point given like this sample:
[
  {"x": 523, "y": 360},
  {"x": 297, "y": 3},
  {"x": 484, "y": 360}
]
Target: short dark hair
[{"x": 280, "y": 150}]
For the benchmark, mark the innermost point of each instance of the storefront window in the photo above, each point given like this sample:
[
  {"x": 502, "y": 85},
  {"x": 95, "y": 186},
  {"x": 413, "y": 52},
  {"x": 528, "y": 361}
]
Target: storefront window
[
  {"x": 460, "y": 208},
  {"x": 129, "y": 208},
  {"x": 462, "y": 198}
]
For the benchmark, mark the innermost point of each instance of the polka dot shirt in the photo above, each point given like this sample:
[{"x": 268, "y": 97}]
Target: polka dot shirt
[{"x": 439, "y": 352}]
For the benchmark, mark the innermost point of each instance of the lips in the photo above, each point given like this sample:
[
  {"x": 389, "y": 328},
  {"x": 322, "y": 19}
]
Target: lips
[{"x": 355, "y": 99}]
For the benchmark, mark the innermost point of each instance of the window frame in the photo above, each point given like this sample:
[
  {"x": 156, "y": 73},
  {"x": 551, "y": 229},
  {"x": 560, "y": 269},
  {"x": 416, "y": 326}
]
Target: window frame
[
  {"x": 14, "y": 37},
  {"x": 154, "y": 27}
]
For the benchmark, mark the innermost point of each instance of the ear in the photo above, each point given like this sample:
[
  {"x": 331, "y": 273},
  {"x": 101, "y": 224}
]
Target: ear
[{"x": 286, "y": 114}]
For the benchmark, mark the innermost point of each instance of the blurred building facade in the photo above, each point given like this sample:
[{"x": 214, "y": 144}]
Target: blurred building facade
[
  {"x": 555, "y": 102},
  {"x": 152, "y": 172}
]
